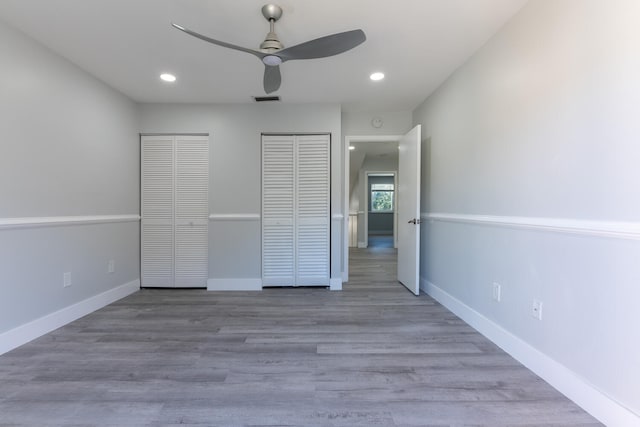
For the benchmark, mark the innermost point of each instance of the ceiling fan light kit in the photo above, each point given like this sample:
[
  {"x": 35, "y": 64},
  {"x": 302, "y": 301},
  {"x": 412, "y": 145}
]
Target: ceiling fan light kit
[
  {"x": 272, "y": 52},
  {"x": 272, "y": 60},
  {"x": 166, "y": 77}
]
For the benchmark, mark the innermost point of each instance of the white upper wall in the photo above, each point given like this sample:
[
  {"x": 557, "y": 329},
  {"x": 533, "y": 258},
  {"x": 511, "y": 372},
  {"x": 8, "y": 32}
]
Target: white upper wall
[
  {"x": 360, "y": 123},
  {"x": 69, "y": 142},
  {"x": 543, "y": 121}
]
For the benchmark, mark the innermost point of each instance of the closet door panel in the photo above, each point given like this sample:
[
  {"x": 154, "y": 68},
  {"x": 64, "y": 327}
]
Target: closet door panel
[
  {"x": 157, "y": 211},
  {"x": 313, "y": 210},
  {"x": 192, "y": 261},
  {"x": 278, "y": 233},
  {"x": 192, "y": 211},
  {"x": 192, "y": 179},
  {"x": 157, "y": 255}
]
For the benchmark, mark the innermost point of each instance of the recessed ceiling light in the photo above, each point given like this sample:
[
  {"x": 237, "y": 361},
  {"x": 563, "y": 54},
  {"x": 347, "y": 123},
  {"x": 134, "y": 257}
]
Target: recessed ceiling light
[
  {"x": 168, "y": 77},
  {"x": 351, "y": 147},
  {"x": 376, "y": 76}
]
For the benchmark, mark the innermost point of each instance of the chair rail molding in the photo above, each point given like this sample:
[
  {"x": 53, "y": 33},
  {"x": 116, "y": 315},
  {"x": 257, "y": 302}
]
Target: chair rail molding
[
  {"x": 52, "y": 221},
  {"x": 612, "y": 229},
  {"x": 235, "y": 217}
]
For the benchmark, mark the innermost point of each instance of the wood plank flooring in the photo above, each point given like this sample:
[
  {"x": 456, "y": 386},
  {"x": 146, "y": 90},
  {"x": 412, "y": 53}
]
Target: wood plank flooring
[{"x": 371, "y": 355}]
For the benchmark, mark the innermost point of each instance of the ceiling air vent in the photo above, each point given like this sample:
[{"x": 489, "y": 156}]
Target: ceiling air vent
[{"x": 266, "y": 98}]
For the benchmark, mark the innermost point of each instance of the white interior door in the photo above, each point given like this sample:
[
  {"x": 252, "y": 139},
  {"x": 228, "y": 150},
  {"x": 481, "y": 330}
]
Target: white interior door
[{"x": 409, "y": 210}]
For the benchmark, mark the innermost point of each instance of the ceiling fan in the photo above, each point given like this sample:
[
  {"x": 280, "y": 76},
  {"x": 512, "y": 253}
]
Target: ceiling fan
[{"x": 272, "y": 52}]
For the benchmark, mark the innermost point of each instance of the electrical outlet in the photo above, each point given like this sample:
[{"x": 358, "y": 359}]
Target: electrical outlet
[
  {"x": 111, "y": 266},
  {"x": 497, "y": 291},
  {"x": 536, "y": 309},
  {"x": 66, "y": 279}
]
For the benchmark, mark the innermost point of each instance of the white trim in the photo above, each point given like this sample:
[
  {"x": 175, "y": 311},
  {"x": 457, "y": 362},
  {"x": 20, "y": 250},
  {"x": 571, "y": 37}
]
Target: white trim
[
  {"x": 362, "y": 245},
  {"x": 335, "y": 284},
  {"x": 371, "y": 138},
  {"x": 337, "y": 217},
  {"x": 50, "y": 221},
  {"x": 234, "y": 217},
  {"x": 614, "y": 229},
  {"x": 176, "y": 134},
  {"x": 576, "y": 388},
  {"x": 22, "y": 334},
  {"x": 234, "y": 284}
]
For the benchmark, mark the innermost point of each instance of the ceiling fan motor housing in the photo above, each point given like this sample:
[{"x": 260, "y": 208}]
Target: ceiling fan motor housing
[{"x": 271, "y": 43}]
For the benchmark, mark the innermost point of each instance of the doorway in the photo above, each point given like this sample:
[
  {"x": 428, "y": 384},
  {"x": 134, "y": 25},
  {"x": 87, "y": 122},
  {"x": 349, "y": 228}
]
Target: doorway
[
  {"x": 367, "y": 160},
  {"x": 407, "y": 210}
]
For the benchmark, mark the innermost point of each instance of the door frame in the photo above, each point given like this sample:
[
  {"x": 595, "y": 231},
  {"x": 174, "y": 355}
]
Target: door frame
[{"x": 348, "y": 140}]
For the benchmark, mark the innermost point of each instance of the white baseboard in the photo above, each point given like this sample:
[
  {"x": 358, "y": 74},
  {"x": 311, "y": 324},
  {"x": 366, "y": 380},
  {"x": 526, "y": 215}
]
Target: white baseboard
[
  {"x": 362, "y": 245},
  {"x": 335, "y": 284},
  {"x": 36, "y": 328},
  {"x": 234, "y": 284},
  {"x": 576, "y": 388}
]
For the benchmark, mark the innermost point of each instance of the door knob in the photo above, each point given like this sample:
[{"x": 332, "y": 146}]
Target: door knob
[{"x": 414, "y": 221}]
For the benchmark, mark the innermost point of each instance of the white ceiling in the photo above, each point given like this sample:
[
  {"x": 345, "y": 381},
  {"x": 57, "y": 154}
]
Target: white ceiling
[{"x": 128, "y": 43}]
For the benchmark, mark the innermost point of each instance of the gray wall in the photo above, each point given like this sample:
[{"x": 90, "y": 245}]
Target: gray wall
[
  {"x": 543, "y": 123},
  {"x": 235, "y": 177},
  {"x": 69, "y": 147}
]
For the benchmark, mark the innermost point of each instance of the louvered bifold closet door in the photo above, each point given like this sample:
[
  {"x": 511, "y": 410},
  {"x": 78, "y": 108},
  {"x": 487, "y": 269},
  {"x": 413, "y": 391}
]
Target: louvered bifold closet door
[
  {"x": 157, "y": 211},
  {"x": 192, "y": 211},
  {"x": 312, "y": 216},
  {"x": 278, "y": 190}
]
